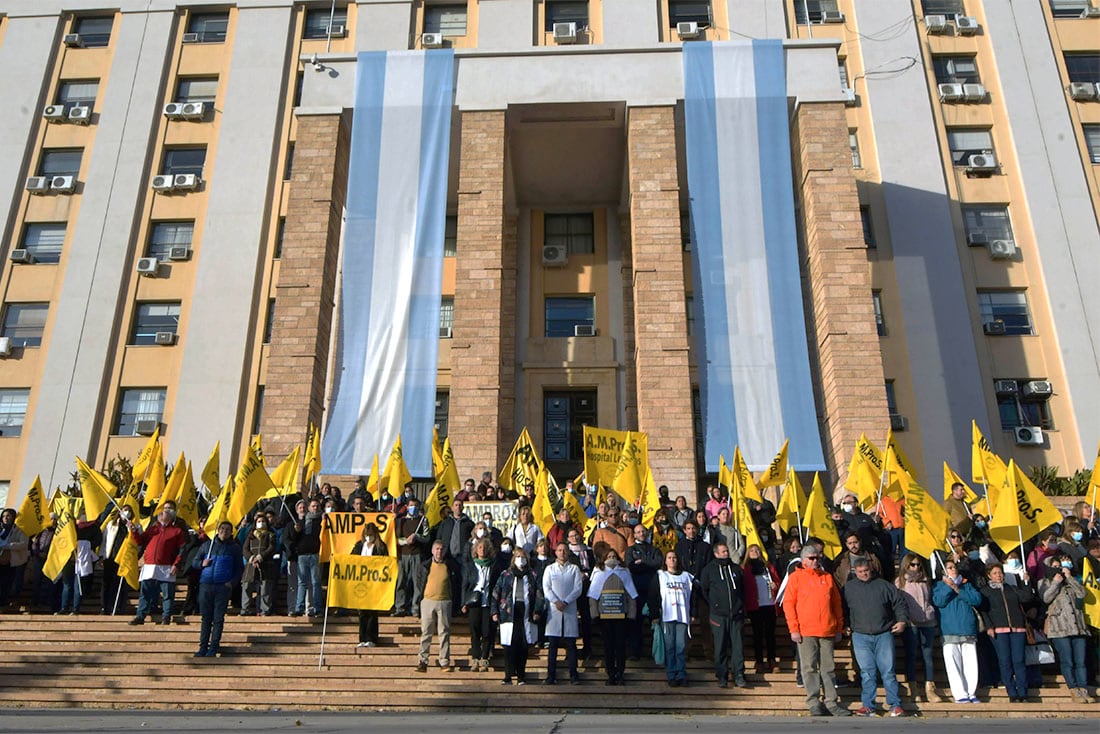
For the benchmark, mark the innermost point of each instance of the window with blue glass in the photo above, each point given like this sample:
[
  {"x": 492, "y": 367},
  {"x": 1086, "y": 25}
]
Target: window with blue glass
[{"x": 565, "y": 313}]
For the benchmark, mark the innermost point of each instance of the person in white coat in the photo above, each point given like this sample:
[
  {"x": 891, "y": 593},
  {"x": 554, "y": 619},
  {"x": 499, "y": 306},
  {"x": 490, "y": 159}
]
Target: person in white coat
[{"x": 562, "y": 585}]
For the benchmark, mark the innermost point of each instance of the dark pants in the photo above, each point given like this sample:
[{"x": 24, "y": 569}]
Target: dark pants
[
  {"x": 1010, "y": 647},
  {"x": 614, "y": 647},
  {"x": 11, "y": 583},
  {"x": 515, "y": 654},
  {"x": 368, "y": 626},
  {"x": 919, "y": 640},
  {"x": 570, "y": 645},
  {"x": 763, "y": 633},
  {"x": 481, "y": 632},
  {"x": 109, "y": 590},
  {"x": 213, "y": 601},
  {"x": 729, "y": 656},
  {"x": 585, "y": 623}
]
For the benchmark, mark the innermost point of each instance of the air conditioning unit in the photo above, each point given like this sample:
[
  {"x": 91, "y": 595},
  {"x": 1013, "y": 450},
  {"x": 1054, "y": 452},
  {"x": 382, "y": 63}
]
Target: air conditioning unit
[
  {"x": 1005, "y": 387},
  {"x": 565, "y": 33},
  {"x": 179, "y": 253},
  {"x": 554, "y": 255},
  {"x": 148, "y": 266},
  {"x": 446, "y": 332},
  {"x": 966, "y": 25},
  {"x": 994, "y": 328},
  {"x": 974, "y": 92},
  {"x": 951, "y": 92},
  {"x": 164, "y": 338},
  {"x": 80, "y": 114},
  {"x": 898, "y": 422},
  {"x": 173, "y": 110},
  {"x": 337, "y": 31},
  {"x": 1028, "y": 435},
  {"x": 850, "y": 98},
  {"x": 54, "y": 113},
  {"x": 1002, "y": 249},
  {"x": 37, "y": 184},
  {"x": 63, "y": 184},
  {"x": 977, "y": 239},
  {"x": 1090, "y": 12},
  {"x": 5, "y": 346},
  {"x": 982, "y": 162},
  {"x": 688, "y": 29},
  {"x": 146, "y": 426},
  {"x": 22, "y": 256},
  {"x": 72, "y": 40},
  {"x": 584, "y": 330},
  {"x": 1037, "y": 390},
  {"x": 431, "y": 40},
  {"x": 191, "y": 38},
  {"x": 185, "y": 182},
  {"x": 832, "y": 16},
  {"x": 935, "y": 23},
  {"x": 1082, "y": 91},
  {"x": 193, "y": 110},
  {"x": 162, "y": 182}
]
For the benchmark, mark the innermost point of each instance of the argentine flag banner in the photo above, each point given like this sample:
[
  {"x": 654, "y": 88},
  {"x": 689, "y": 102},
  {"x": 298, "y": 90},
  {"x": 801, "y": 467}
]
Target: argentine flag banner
[
  {"x": 755, "y": 386},
  {"x": 388, "y": 340}
]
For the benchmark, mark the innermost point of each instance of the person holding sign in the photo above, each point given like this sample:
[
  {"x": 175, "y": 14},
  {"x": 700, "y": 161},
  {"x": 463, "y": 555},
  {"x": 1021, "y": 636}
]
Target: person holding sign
[
  {"x": 612, "y": 601},
  {"x": 370, "y": 544},
  {"x": 515, "y": 602}
]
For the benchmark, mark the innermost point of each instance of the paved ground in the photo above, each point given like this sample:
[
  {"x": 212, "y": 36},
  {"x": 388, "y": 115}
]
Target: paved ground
[{"x": 87, "y": 722}]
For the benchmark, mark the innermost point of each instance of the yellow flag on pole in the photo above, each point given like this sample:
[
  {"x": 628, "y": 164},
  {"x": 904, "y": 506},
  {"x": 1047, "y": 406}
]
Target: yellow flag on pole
[
  {"x": 154, "y": 478},
  {"x": 985, "y": 466},
  {"x": 449, "y": 475},
  {"x": 542, "y": 511},
  {"x": 900, "y": 462},
  {"x": 127, "y": 560},
  {"x": 219, "y": 511},
  {"x": 33, "y": 518},
  {"x": 523, "y": 464},
  {"x": 792, "y": 505},
  {"x": 926, "y": 522},
  {"x": 396, "y": 475},
  {"x": 1022, "y": 510},
  {"x": 651, "y": 500},
  {"x": 252, "y": 483},
  {"x": 361, "y": 582},
  {"x": 187, "y": 499},
  {"x": 1005, "y": 527},
  {"x": 747, "y": 526},
  {"x": 865, "y": 471},
  {"x": 440, "y": 497},
  {"x": 776, "y": 473},
  {"x": 285, "y": 476},
  {"x": 312, "y": 457},
  {"x": 174, "y": 484},
  {"x": 818, "y": 520},
  {"x": 1092, "y": 596},
  {"x": 1094, "y": 480},
  {"x": 437, "y": 452},
  {"x": 97, "y": 490},
  {"x": 576, "y": 512},
  {"x": 950, "y": 478},
  {"x": 141, "y": 463},
  {"x": 630, "y": 473},
  {"x": 211, "y": 473},
  {"x": 725, "y": 477},
  {"x": 742, "y": 478},
  {"x": 63, "y": 546}
]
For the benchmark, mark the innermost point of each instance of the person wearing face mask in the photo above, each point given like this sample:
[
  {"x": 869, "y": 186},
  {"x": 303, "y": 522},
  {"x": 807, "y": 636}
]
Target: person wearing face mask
[
  {"x": 920, "y": 634},
  {"x": 665, "y": 536},
  {"x": 1072, "y": 543},
  {"x": 111, "y": 601},
  {"x": 562, "y": 585},
  {"x": 1006, "y": 624},
  {"x": 516, "y": 604},
  {"x": 221, "y": 563},
  {"x": 479, "y": 574},
  {"x": 260, "y": 570},
  {"x": 642, "y": 560},
  {"x": 957, "y": 599},
  {"x": 304, "y": 534},
  {"x": 722, "y": 585},
  {"x": 369, "y": 544},
  {"x": 612, "y": 603},
  {"x": 1044, "y": 549},
  {"x": 1065, "y": 625},
  {"x": 412, "y": 546}
]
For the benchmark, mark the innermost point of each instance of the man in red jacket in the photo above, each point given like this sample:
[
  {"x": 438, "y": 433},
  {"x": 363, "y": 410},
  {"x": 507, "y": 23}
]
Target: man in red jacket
[
  {"x": 163, "y": 540},
  {"x": 815, "y": 618}
]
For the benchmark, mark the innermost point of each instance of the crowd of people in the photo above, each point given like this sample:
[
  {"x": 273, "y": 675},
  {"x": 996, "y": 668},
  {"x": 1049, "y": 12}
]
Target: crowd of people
[{"x": 642, "y": 591}]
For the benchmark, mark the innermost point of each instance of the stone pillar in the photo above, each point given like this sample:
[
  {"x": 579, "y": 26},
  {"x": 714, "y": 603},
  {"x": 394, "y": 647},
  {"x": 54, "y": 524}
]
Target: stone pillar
[
  {"x": 298, "y": 357},
  {"x": 663, "y": 377},
  {"x": 483, "y": 350},
  {"x": 841, "y": 319}
]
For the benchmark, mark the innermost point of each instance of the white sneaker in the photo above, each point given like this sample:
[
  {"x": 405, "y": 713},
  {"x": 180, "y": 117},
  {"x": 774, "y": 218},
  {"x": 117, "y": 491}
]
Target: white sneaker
[{"x": 363, "y": 644}]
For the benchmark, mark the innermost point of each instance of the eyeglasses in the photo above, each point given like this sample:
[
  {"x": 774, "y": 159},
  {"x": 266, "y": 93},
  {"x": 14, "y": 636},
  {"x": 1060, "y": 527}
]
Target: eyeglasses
[
  {"x": 809, "y": 558},
  {"x": 955, "y": 537},
  {"x": 914, "y": 565}
]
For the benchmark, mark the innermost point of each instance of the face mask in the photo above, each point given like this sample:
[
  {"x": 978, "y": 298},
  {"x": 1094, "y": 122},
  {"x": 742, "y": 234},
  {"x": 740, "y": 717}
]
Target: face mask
[
  {"x": 975, "y": 555},
  {"x": 632, "y": 522},
  {"x": 480, "y": 533},
  {"x": 1067, "y": 564},
  {"x": 328, "y": 510},
  {"x": 488, "y": 523},
  {"x": 611, "y": 563},
  {"x": 663, "y": 523},
  {"x": 1012, "y": 563},
  {"x": 127, "y": 513},
  {"x": 521, "y": 562},
  {"x": 848, "y": 507},
  {"x": 1077, "y": 536},
  {"x": 543, "y": 556},
  {"x": 259, "y": 526},
  {"x": 505, "y": 548},
  {"x": 980, "y": 524},
  {"x": 412, "y": 511}
]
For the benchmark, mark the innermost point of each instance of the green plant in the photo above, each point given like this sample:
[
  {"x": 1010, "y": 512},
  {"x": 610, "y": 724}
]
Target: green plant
[{"x": 1047, "y": 480}]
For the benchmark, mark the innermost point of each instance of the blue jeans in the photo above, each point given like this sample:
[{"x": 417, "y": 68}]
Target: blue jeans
[
  {"x": 875, "y": 655},
  {"x": 922, "y": 638},
  {"x": 675, "y": 647},
  {"x": 213, "y": 601},
  {"x": 1010, "y": 648},
  {"x": 71, "y": 592},
  {"x": 309, "y": 577},
  {"x": 150, "y": 588},
  {"x": 1071, "y": 658}
]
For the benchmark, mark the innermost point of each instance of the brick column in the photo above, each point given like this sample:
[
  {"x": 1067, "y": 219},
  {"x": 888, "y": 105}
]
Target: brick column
[
  {"x": 841, "y": 319},
  {"x": 298, "y": 356},
  {"x": 483, "y": 350},
  {"x": 660, "y": 325}
]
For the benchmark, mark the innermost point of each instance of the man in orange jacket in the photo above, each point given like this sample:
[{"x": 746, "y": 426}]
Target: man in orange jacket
[{"x": 815, "y": 618}]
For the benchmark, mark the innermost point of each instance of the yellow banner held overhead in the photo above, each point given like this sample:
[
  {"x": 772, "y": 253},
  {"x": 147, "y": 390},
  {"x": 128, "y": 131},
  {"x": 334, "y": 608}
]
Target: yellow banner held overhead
[
  {"x": 340, "y": 531},
  {"x": 362, "y": 582},
  {"x": 211, "y": 473},
  {"x": 602, "y": 449},
  {"x": 747, "y": 527},
  {"x": 187, "y": 499},
  {"x": 899, "y": 461},
  {"x": 523, "y": 464},
  {"x": 818, "y": 520},
  {"x": 651, "y": 499},
  {"x": 437, "y": 452},
  {"x": 154, "y": 478},
  {"x": 725, "y": 476},
  {"x": 252, "y": 483},
  {"x": 776, "y": 473},
  {"x": 950, "y": 479},
  {"x": 865, "y": 471},
  {"x": 1022, "y": 510},
  {"x": 450, "y": 470},
  {"x": 573, "y": 505},
  {"x": 219, "y": 511},
  {"x": 985, "y": 466},
  {"x": 792, "y": 505},
  {"x": 174, "y": 484},
  {"x": 630, "y": 472},
  {"x": 926, "y": 523},
  {"x": 33, "y": 518},
  {"x": 96, "y": 489},
  {"x": 285, "y": 476}
]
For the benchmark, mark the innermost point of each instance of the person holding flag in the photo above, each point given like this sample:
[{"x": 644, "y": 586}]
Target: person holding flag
[
  {"x": 221, "y": 563},
  {"x": 114, "y": 534},
  {"x": 163, "y": 541},
  {"x": 1065, "y": 625}
]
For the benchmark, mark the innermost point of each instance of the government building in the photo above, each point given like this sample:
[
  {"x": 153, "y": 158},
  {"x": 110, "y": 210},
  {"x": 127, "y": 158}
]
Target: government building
[{"x": 693, "y": 219}]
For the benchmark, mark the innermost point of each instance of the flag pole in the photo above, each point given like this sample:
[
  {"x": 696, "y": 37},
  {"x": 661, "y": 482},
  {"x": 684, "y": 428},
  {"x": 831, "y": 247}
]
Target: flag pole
[{"x": 324, "y": 627}]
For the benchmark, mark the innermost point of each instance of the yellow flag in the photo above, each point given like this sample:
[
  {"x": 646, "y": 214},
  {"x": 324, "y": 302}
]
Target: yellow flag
[
  {"x": 63, "y": 546},
  {"x": 450, "y": 471},
  {"x": 865, "y": 471},
  {"x": 950, "y": 478},
  {"x": 396, "y": 474},
  {"x": 141, "y": 463},
  {"x": 523, "y": 464},
  {"x": 776, "y": 473},
  {"x": 630, "y": 473},
  {"x": 440, "y": 497},
  {"x": 818, "y": 520},
  {"x": 892, "y": 473},
  {"x": 187, "y": 499},
  {"x": 985, "y": 466},
  {"x": 220, "y": 509},
  {"x": 211, "y": 473},
  {"x": 132, "y": 498},
  {"x": 1036, "y": 511},
  {"x": 174, "y": 484},
  {"x": 926, "y": 523},
  {"x": 373, "y": 478},
  {"x": 725, "y": 477},
  {"x": 437, "y": 452},
  {"x": 651, "y": 499},
  {"x": 899, "y": 462},
  {"x": 742, "y": 479},
  {"x": 1094, "y": 480},
  {"x": 1005, "y": 526},
  {"x": 747, "y": 526},
  {"x": 252, "y": 483},
  {"x": 542, "y": 511},
  {"x": 1092, "y": 596},
  {"x": 154, "y": 478},
  {"x": 312, "y": 458},
  {"x": 792, "y": 505},
  {"x": 362, "y": 582},
  {"x": 285, "y": 476},
  {"x": 602, "y": 449},
  {"x": 33, "y": 518},
  {"x": 576, "y": 512},
  {"x": 127, "y": 560},
  {"x": 97, "y": 490}
]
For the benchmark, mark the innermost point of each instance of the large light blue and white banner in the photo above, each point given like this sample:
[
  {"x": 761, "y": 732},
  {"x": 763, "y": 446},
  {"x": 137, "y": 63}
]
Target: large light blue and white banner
[
  {"x": 756, "y": 385},
  {"x": 388, "y": 342}
]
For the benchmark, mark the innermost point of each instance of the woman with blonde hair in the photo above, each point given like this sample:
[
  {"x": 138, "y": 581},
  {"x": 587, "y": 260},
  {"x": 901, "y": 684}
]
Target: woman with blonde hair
[{"x": 920, "y": 633}]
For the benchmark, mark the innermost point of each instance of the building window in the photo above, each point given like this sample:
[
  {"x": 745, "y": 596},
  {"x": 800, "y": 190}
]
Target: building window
[
  {"x": 688, "y": 11},
  {"x": 166, "y": 235},
  {"x": 269, "y": 320},
  {"x": 299, "y": 82},
  {"x": 197, "y": 89},
  {"x": 1092, "y": 142},
  {"x": 138, "y": 404},
  {"x": 13, "y": 410},
  {"x": 685, "y": 231},
  {"x": 891, "y": 398},
  {"x": 813, "y": 10},
  {"x": 450, "y": 236},
  {"x": 78, "y": 93},
  {"x": 24, "y": 323},
  {"x": 964, "y": 143},
  {"x": 5, "y": 490},
  {"x": 1083, "y": 67},
  {"x": 60, "y": 162},
  {"x": 842, "y": 72},
  {"x": 183, "y": 160},
  {"x": 689, "y": 308},
  {"x": 565, "y": 313},
  {"x": 210, "y": 27},
  {"x": 941, "y": 7},
  {"x": 956, "y": 70},
  {"x": 697, "y": 427},
  {"x": 94, "y": 32},
  {"x": 574, "y": 232},
  {"x": 868, "y": 227},
  {"x": 446, "y": 313},
  {"x": 317, "y": 21},
  {"x": 44, "y": 240},
  {"x": 448, "y": 20},
  {"x": 442, "y": 412},
  {"x": 853, "y": 144},
  {"x": 289, "y": 170},
  {"x": 153, "y": 318},
  {"x": 280, "y": 233},
  {"x": 1008, "y": 308},
  {"x": 1068, "y": 8},
  {"x": 564, "y": 415},
  {"x": 562, "y": 11},
  {"x": 880, "y": 320},
  {"x": 1016, "y": 411},
  {"x": 258, "y": 413},
  {"x": 987, "y": 223}
]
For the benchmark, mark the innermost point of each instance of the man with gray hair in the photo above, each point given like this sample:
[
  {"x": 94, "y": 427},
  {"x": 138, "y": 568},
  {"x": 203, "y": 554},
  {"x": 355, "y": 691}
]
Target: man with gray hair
[
  {"x": 439, "y": 586},
  {"x": 875, "y": 612}
]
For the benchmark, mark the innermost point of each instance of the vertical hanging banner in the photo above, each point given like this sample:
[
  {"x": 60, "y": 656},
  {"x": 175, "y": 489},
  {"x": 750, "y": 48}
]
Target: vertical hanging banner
[
  {"x": 388, "y": 342},
  {"x": 756, "y": 386}
]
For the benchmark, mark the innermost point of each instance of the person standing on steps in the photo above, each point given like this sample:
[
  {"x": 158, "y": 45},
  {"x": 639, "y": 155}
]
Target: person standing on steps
[
  {"x": 221, "y": 563},
  {"x": 562, "y": 585}
]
